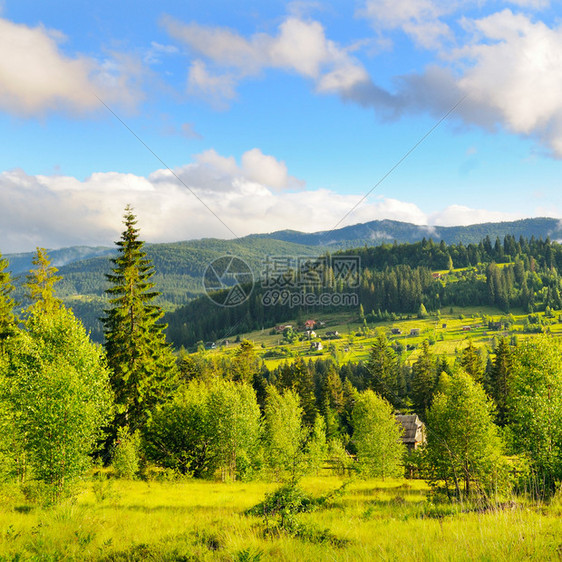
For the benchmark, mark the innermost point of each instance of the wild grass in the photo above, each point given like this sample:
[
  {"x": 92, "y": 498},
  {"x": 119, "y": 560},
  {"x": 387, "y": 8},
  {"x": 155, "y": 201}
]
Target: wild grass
[{"x": 200, "y": 520}]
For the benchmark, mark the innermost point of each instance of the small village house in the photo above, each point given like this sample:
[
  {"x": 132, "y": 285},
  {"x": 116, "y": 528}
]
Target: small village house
[{"x": 414, "y": 431}]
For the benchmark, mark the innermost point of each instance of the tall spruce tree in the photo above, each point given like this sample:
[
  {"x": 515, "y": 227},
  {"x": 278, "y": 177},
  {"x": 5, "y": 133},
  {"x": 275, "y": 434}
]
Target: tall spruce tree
[
  {"x": 143, "y": 367},
  {"x": 383, "y": 369},
  {"x": 7, "y": 317},
  {"x": 424, "y": 379}
]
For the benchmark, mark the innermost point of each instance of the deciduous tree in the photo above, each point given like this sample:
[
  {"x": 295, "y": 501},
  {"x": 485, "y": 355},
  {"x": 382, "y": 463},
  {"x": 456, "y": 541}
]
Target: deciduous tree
[
  {"x": 376, "y": 435},
  {"x": 463, "y": 446},
  {"x": 57, "y": 388}
]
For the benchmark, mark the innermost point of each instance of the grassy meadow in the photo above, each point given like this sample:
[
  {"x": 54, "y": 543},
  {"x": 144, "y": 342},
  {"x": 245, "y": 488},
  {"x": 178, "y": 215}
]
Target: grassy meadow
[
  {"x": 448, "y": 334},
  {"x": 117, "y": 520}
]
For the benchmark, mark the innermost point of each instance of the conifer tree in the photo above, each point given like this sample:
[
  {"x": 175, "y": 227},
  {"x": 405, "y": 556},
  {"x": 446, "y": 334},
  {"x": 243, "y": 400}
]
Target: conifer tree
[
  {"x": 40, "y": 284},
  {"x": 499, "y": 380},
  {"x": 471, "y": 362},
  {"x": 383, "y": 368},
  {"x": 7, "y": 317},
  {"x": 423, "y": 380},
  {"x": 142, "y": 364}
]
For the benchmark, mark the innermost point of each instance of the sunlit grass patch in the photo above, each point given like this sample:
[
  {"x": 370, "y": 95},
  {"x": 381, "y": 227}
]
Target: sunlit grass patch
[{"x": 203, "y": 520}]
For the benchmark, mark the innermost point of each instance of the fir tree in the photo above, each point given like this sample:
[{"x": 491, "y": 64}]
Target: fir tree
[
  {"x": 383, "y": 368},
  {"x": 423, "y": 380},
  {"x": 7, "y": 317},
  {"x": 40, "y": 285},
  {"x": 142, "y": 364},
  {"x": 471, "y": 362},
  {"x": 499, "y": 380}
]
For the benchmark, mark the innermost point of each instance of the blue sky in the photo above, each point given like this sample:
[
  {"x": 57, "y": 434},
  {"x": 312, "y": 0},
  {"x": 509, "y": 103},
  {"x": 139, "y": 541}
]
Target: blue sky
[{"x": 274, "y": 115}]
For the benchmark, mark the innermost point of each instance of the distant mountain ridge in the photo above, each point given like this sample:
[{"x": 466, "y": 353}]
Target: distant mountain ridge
[
  {"x": 21, "y": 262},
  {"x": 180, "y": 266},
  {"x": 371, "y": 233},
  {"x": 383, "y": 231}
]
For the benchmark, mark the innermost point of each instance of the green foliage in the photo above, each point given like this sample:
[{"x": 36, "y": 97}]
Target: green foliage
[
  {"x": 534, "y": 409},
  {"x": 206, "y": 428},
  {"x": 317, "y": 446},
  {"x": 464, "y": 450},
  {"x": 281, "y": 507},
  {"x": 471, "y": 362},
  {"x": 125, "y": 458},
  {"x": 424, "y": 379},
  {"x": 245, "y": 363},
  {"x": 376, "y": 435},
  {"x": 383, "y": 369},
  {"x": 284, "y": 435},
  {"x": 7, "y": 318},
  {"x": 40, "y": 284},
  {"x": 498, "y": 381},
  {"x": 141, "y": 362},
  {"x": 57, "y": 390},
  {"x": 297, "y": 376}
]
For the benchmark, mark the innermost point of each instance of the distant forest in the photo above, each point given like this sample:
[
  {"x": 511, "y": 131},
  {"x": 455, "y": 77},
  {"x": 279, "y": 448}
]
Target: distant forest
[{"x": 398, "y": 279}]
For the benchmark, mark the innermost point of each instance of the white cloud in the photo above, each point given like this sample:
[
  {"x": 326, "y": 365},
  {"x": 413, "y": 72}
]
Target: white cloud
[
  {"x": 35, "y": 76},
  {"x": 516, "y": 71},
  {"x": 267, "y": 171},
  {"x": 507, "y": 67},
  {"x": 417, "y": 18},
  {"x": 56, "y": 211},
  {"x": 216, "y": 88},
  {"x": 300, "y": 46},
  {"x": 157, "y": 50},
  {"x": 459, "y": 215}
]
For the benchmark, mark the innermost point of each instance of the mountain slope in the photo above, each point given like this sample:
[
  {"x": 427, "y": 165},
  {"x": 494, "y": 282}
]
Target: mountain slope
[{"x": 381, "y": 231}]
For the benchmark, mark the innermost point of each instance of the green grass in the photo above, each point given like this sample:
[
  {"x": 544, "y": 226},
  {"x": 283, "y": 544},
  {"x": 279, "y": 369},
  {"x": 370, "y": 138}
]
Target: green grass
[
  {"x": 198, "y": 520},
  {"x": 447, "y": 341}
]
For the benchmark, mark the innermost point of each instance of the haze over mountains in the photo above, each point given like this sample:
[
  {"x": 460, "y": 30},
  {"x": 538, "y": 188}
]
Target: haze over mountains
[
  {"x": 370, "y": 233},
  {"x": 180, "y": 266}
]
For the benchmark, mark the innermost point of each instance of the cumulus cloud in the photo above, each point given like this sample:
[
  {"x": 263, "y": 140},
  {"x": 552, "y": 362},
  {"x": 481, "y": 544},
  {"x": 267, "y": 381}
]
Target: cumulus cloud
[
  {"x": 299, "y": 46},
  {"x": 35, "y": 76},
  {"x": 506, "y": 66},
  {"x": 57, "y": 211},
  {"x": 418, "y": 18},
  {"x": 460, "y": 215}
]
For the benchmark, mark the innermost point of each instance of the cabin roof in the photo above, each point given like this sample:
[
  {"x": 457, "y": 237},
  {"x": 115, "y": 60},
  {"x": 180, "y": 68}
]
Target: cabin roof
[{"x": 413, "y": 428}]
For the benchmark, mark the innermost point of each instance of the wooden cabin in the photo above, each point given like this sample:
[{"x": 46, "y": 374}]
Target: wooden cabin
[{"x": 414, "y": 431}]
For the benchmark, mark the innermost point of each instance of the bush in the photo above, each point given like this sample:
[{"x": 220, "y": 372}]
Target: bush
[{"x": 125, "y": 460}]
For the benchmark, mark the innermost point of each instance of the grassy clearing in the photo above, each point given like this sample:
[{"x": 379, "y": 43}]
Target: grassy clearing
[
  {"x": 449, "y": 333},
  {"x": 198, "y": 520}
]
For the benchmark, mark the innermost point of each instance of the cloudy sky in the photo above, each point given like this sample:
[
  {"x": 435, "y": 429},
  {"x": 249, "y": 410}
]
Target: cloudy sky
[{"x": 224, "y": 118}]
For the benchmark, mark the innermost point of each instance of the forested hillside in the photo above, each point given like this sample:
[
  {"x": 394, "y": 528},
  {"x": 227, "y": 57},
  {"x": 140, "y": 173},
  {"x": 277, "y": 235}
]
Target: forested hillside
[
  {"x": 398, "y": 278},
  {"x": 383, "y": 231}
]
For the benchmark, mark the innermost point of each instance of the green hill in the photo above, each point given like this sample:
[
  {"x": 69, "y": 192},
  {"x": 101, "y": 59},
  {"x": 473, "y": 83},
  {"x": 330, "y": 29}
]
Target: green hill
[{"x": 180, "y": 266}]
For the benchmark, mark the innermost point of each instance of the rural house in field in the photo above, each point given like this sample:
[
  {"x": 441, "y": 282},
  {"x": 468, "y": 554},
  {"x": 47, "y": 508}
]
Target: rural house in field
[
  {"x": 396, "y": 331},
  {"x": 415, "y": 332},
  {"x": 414, "y": 431}
]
